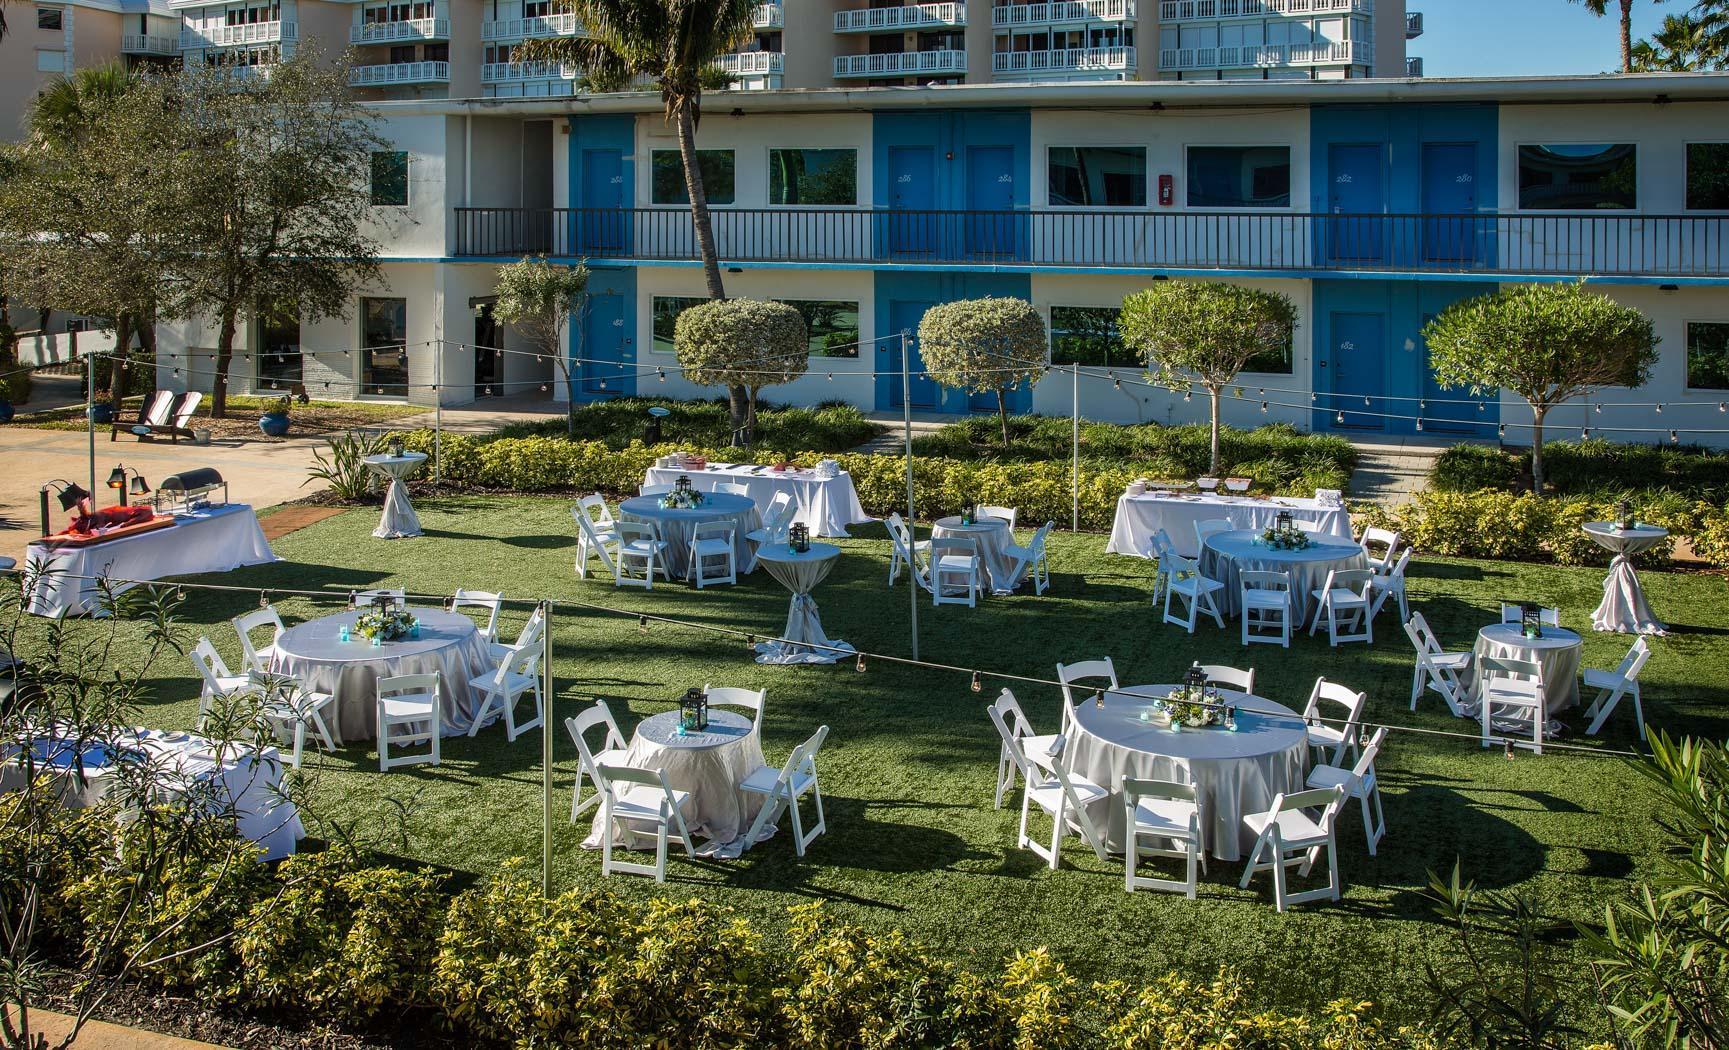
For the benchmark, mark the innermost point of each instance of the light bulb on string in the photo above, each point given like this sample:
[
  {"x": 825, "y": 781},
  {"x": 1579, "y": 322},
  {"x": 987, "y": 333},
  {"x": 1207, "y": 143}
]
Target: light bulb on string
[
  {"x": 1312, "y": 397},
  {"x": 1422, "y": 406},
  {"x": 544, "y": 388},
  {"x": 660, "y": 374},
  {"x": 1341, "y": 418},
  {"x": 1187, "y": 395},
  {"x": 1365, "y": 400},
  {"x": 1503, "y": 430},
  {"x": 978, "y": 683},
  {"x": 1098, "y": 698},
  {"x": 1509, "y": 742},
  {"x": 1584, "y": 433},
  {"x": 264, "y": 599},
  {"x": 1480, "y": 406},
  {"x": 1674, "y": 437},
  {"x": 1263, "y": 407},
  {"x": 831, "y": 377},
  {"x": 1419, "y": 424},
  {"x": 1118, "y": 383},
  {"x": 1599, "y": 408},
  {"x": 1723, "y": 406},
  {"x": 642, "y": 624},
  {"x": 860, "y": 666},
  {"x": 1659, "y": 408}
]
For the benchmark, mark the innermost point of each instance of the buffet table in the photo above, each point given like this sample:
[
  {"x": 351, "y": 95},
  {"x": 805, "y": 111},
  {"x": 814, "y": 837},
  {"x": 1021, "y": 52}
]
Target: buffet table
[
  {"x": 1139, "y": 517},
  {"x": 826, "y": 506}
]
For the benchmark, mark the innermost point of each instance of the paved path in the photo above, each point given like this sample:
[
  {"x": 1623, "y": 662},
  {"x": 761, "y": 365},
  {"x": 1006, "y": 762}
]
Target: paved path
[{"x": 99, "y": 1035}]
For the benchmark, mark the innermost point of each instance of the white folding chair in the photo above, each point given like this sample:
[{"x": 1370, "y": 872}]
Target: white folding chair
[
  {"x": 1056, "y": 791},
  {"x": 1069, "y": 674},
  {"x": 1032, "y": 560},
  {"x": 259, "y": 658},
  {"x": 503, "y": 686},
  {"x": 1344, "y": 601},
  {"x": 632, "y": 795},
  {"x": 1387, "y": 540},
  {"x": 410, "y": 711},
  {"x": 491, "y": 601},
  {"x": 653, "y": 490},
  {"x": 1329, "y": 497},
  {"x": 529, "y": 635},
  {"x": 752, "y": 700},
  {"x": 1158, "y": 549},
  {"x": 1229, "y": 677},
  {"x": 781, "y": 792},
  {"x": 217, "y": 680},
  {"x": 711, "y": 545},
  {"x": 955, "y": 566},
  {"x": 1511, "y": 690},
  {"x": 732, "y": 488},
  {"x": 907, "y": 552},
  {"x": 613, "y": 751},
  {"x": 1007, "y": 514},
  {"x": 1209, "y": 527},
  {"x": 1267, "y": 607},
  {"x": 1324, "y": 738},
  {"x": 1436, "y": 669},
  {"x": 1611, "y": 686},
  {"x": 1391, "y": 584},
  {"x": 778, "y": 517},
  {"x": 595, "y": 534},
  {"x": 1196, "y": 591},
  {"x": 1547, "y": 616},
  {"x": 1289, "y": 835},
  {"x": 1034, "y": 746},
  {"x": 1160, "y": 810},
  {"x": 397, "y": 595},
  {"x": 639, "y": 544},
  {"x": 293, "y": 709},
  {"x": 1359, "y": 782}
]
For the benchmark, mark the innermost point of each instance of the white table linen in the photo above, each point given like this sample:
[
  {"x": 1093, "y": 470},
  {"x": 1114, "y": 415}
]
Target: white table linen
[
  {"x": 993, "y": 538},
  {"x": 216, "y": 539},
  {"x": 449, "y": 643},
  {"x": 1624, "y": 609},
  {"x": 800, "y": 573},
  {"x": 1140, "y": 517},
  {"x": 710, "y": 765},
  {"x": 677, "y": 525},
  {"x": 1233, "y": 773},
  {"x": 398, "y": 520},
  {"x": 826, "y": 506},
  {"x": 1228, "y": 555},
  {"x": 1557, "y": 652}
]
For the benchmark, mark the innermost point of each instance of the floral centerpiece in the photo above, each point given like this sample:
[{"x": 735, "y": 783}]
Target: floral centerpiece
[
  {"x": 386, "y": 624},
  {"x": 1284, "y": 535},
  {"x": 682, "y": 496},
  {"x": 1194, "y": 703}
]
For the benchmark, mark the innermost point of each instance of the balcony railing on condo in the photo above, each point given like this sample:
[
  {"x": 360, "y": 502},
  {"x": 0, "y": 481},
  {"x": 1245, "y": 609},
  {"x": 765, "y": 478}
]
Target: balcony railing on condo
[
  {"x": 146, "y": 44},
  {"x": 192, "y": 38},
  {"x": 1413, "y": 24},
  {"x": 1071, "y": 60},
  {"x": 1063, "y": 11},
  {"x": 768, "y": 16},
  {"x": 888, "y": 19},
  {"x": 1351, "y": 52},
  {"x": 399, "y": 73},
  {"x": 900, "y": 63},
  {"x": 1189, "y": 10},
  {"x": 395, "y": 32},
  {"x": 507, "y": 72},
  {"x": 749, "y": 63},
  {"x": 1413, "y": 65},
  {"x": 531, "y": 28},
  {"x": 1506, "y": 246}
]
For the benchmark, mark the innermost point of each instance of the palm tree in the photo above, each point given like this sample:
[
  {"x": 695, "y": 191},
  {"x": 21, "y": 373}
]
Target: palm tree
[
  {"x": 1601, "y": 8},
  {"x": 1684, "y": 45}
]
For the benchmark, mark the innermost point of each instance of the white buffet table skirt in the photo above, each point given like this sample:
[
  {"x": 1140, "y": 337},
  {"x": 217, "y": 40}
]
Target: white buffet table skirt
[
  {"x": 314, "y": 653},
  {"x": 1229, "y": 554},
  {"x": 710, "y": 765},
  {"x": 216, "y": 539},
  {"x": 677, "y": 525},
  {"x": 800, "y": 573},
  {"x": 1557, "y": 652},
  {"x": 992, "y": 537},
  {"x": 1140, "y": 517},
  {"x": 826, "y": 506},
  {"x": 398, "y": 520},
  {"x": 1233, "y": 772},
  {"x": 1624, "y": 609}
]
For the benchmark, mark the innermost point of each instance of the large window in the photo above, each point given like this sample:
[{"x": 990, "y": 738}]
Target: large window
[
  {"x": 1708, "y": 355},
  {"x": 1578, "y": 178},
  {"x": 279, "y": 361},
  {"x": 383, "y": 347},
  {"x": 1239, "y": 177},
  {"x": 812, "y": 176},
  {"x": 1098, "y": 176},
  {"x": 667, "y": 176},
  {"x": 666, "y": 309},
  {"x": 1708, "y": 176},
  {"x": 1088, "y": 335},
  {"x": 1273, "y": 362},
  {"x": 390, "y": 178},
  {"x": 50, "y": 18},
  {"x": 832, "y": 324}
]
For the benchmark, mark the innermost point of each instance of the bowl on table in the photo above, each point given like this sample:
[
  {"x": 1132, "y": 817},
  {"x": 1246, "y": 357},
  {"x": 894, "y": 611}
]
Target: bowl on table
[{"x": 1207, "y": 484}]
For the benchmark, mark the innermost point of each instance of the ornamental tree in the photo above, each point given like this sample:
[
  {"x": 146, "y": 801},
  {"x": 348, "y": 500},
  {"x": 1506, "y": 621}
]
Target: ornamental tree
[
  {"x": 743, "y": 345},
  {"x": 536, "y": 298},
  {"x": 984, "y": 346},
  {"x": 1548, "y": 343},
  {"x": 1193, "y": 332}
]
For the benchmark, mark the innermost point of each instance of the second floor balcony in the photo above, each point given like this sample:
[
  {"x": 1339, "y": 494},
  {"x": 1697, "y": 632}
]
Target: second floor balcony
[
  {"x": 1063, "y": 12},
  {"x": 1103, "y": 60},
  {"x": 391, "y": 73},
  {"x": 768, "y": 16},
  {"x": 901, "y": 64},
  {"x": 539, "y": 27},
  {"x": 148, "y": 44},
  {"x": 1353, "y": 52},
  {"x": 1201, "y": 10},
  {"x": 752, "y": 63},
  {"x": 193, "y": 38},
  {"x": 511, "y": 72},
  {"x": 407, "y": 30},
  {"x": 910, "y": 16}
]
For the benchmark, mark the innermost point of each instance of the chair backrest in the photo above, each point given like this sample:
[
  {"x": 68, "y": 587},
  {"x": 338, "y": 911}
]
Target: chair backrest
[
  {"x": 778, "y": 516},
  {"x": 751, "y": 700},
  {"x": 209, "y": 664},
  {"x": 246, "y": 623},
  {"x": 733, "y": 488},
  {"x": 1529, "y": 671},
  {"x": 1376, "y": 536},
  {"x": 1422, "y": 637},
  {"x": 592, "y": 535},
  {"x": 1039, "y": 538},
  {"x": 1630, "y": 665},
  {"x": 653, "y": 490},
  {"x": 1229, "y": 677},
  {"x": 1016, "y": 718},
  {"x": 1011, "y": 740},
  {"x": 157, "y": 413},
  {"x": 1262, "y": 580},
  {"x": 1357, "y": 581},
  {"x": 525, "y": 660},
  {"x": 1328, "y": 800},
  {"x": 904, "y": 549},
  {"x": 1332, "y": 692},
  {"x": 1398, "y": 570},
  {"x": 530, "y": 632},
  {"x": 1177, "y": 565},
  {"x": 1135, "y": 788},
  {"x": 803, "y": 757},
  {"x": 1159, "y": 546},
  {"x": 714, "y": 530},
  {"x": 594, "y": 509},
  {"x": 611, "y": 776},
  {"x": 1366, "y": 761},
  {"x": 188, "y": 408},
  {"x": 489, "y": 600},
  {"x": 1548, "y": 616},
  {"x": 1068, "y": 674},
  {"x": 598, "y": 714},
  {"x": 961, "y": 546},
  {"x": 398, "y": 595},
  {"x": 636, "y": 530},
  {"x": 1007, "y": 514},
  {"x": 410, "y": 687},
  {"x": 1208, "y": 527}
]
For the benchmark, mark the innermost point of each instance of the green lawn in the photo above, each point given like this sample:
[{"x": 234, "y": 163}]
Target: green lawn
[{"x": 908, "y": 771}]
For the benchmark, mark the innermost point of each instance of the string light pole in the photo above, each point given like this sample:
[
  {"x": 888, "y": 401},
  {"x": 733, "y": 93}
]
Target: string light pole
[
  {"x": 90, "y": 417},
  {"x": 546, "y": 723},
  {"x": 1075, "y": 451},
  {"x": 912, "y": 518}
]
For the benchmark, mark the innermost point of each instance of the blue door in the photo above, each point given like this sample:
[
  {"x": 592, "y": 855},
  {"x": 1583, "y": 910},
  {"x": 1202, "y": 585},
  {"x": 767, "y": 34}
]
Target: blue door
[
  {"x": 1356, "y": 201},
  {"x": 905, "y": 315},
  {"x": 1357, "y": 359},
  {"x": 1449, "y": 202},
  {"x": 603, "y": 329},
  {"x": 1454, "y": 411},
  {"x": 912, "y": 200},
  {"x": 601, "y": 221},
  {"x": 990, "y": 200}
]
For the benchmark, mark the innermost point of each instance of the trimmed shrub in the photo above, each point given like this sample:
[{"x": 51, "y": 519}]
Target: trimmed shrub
[
  {"x": 1598, "y": 468},
  {"x": 833, "y": 426},
  {"x": 47, "y": 846},
  {"x": 1467, "y": 468}
]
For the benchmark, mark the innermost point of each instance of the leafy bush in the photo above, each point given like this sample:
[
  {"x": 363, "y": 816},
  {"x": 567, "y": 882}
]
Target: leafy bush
[
  {"x": 1467, "y": 468},
  {"x": 341, "y": 467},
  {"x": 833, "y": 426},
  {"x": 1603, "y": 469},
  {"x": 64, "y": 841}
]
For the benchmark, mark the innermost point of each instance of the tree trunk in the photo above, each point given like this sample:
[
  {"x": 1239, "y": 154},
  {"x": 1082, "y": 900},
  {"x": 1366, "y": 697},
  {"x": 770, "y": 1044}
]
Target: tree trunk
[
  {"x": 1626, "y": 36},
  {"x": 118, "y": 369},
  {"x": 147, "y": 340},
  {"x": 698, "y": 195},
  {"x": 1213, "y": 397},
  {"x": 750, "y": 416},
  {"x": 1003, "y": 416},
  {"x": 224, "y": 356},
  {"x": 1537, "y": 414},
  {"x": 738, "y": 408}
]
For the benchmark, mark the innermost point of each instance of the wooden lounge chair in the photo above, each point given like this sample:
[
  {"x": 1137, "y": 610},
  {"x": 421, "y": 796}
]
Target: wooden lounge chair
[
  {"x": 151, "y": 414},
  {"x": 178, "y": 426}
]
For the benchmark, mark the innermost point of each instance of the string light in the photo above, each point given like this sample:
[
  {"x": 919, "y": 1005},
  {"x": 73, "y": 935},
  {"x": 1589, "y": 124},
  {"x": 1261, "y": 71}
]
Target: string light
[
  {"x": 353, "y": 599},
  {"x": 1480, "y": 406},
  {"x": 544, "y": 388},
  {"x": 1423, "y": 406},
  {"x": 1312, "y": 397},
  {"x": 1341, "y": 418},
  {"x": 1098, "y": 698},
  {"x": 1673, "y": 437},
  {"x": 860, "y": 667},
  {"x": 1365, "y": 400},
  {"x": 1419, "y": 425},
  {"x": 660, "y": 374},
  {"x": 1584, "y": 433},
  {"x": 1503, "y": 430},
  {"x": 1263, "y": 408},
  {"x": 264, "y": 599},
  {"x": 1187, "y": 395},
  {"x": 750, "y": 641},
  {"x": 1659, "y": 408},
  {"x": 642, "y": 624},
  {"x": 1118, "y": 383},
  {"x": 978, "y": 682},
  {"x": 1599, "y": 408},
  {"x": 1509, "y": 742}
]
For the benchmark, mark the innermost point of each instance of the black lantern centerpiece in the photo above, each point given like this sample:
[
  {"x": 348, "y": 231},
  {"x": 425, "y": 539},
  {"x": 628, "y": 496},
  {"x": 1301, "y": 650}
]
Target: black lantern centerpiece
[
  {"x": 1283, "y": 522},
  {"x": 1284, "y": 535},
  {"x": 798, "y": 538},
  {"x": 396, "y": 447},
  {"x": 682, "y": 484},
  {"x": 1624, "y": 516},
  {"x": 968, "y": 513},
  {"x": 1531, "y": 619},
  {"x": 693, "y": 711},
  {"x": 683, "y": 496},
  {"x": 1195, "y": 683}
]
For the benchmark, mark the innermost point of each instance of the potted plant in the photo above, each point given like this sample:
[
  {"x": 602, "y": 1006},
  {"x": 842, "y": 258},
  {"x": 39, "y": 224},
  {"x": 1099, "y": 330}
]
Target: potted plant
[
  {"x": 101, "y": 410},
  {"x": 6, "y": 409},
  {"x": 274, "y": 422}
]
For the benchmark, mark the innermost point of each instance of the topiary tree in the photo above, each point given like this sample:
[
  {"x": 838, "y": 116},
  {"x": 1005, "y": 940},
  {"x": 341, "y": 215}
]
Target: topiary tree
[
  {"x": 743, "y": 345},
  {"x": 1548, "y": 343},
  {"x": 1204, "y": 332},
  {"x": 536, "y": 298},
  {"x": 984, "y": 346}
]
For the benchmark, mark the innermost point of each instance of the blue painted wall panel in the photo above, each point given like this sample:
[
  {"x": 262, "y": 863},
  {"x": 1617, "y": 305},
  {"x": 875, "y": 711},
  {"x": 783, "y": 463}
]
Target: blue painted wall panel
[
  {"x": 603, "y": 333},
  {"x": 901, "y": 298}
]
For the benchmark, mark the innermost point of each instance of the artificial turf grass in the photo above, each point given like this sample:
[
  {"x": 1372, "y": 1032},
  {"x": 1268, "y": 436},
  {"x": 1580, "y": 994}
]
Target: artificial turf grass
[{"x": 908, "y": 772}]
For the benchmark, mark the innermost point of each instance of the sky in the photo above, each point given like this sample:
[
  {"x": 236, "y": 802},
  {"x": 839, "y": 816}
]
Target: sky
[{"x": 1482, "y": 38}]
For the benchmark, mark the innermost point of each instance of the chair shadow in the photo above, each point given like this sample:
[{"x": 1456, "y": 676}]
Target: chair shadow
[{"x": 547, "y": 542}]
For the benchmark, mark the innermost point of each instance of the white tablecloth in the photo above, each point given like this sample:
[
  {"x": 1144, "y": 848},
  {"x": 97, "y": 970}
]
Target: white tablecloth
[
  {"x": 678, "y": 525},
  {"x": 449, "y": 643},
  {"x": 1623, "y": 608},
  {"x": 710, "y": 765},
  {"x": 398, "y": 520},
  {"x": 213, "y": 540},
  {"x": 1233, "y": 772},
  {"x": 1557, "y": 652},
  {"x": 1139, "y": 517},
  {"x": 1229, "y": 554},
  {"x": 992, "y": 538},
  {"x": 800, "y": 573},
  {"x": 825, "y": 505}
]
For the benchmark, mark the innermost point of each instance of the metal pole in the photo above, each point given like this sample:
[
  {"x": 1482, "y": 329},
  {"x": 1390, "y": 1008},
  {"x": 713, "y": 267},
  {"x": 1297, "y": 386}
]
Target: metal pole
[
  {"x": 1075, "y": 438},
  {"x": 912, "y": 518},
  {"x": 90, "y": 418},
  {"x": 437, "y": 410},
  {"x": 546, "y": 752}
]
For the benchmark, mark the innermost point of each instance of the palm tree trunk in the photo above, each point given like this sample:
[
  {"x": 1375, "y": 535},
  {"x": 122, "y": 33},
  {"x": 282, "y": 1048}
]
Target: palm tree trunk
[
  {"x": 738, "y": 397},
  {"x": 1626, "y": 36}
]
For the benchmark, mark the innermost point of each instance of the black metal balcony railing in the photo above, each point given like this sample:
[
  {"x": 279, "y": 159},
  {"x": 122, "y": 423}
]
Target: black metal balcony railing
[{"x": 1598, "y": 245}]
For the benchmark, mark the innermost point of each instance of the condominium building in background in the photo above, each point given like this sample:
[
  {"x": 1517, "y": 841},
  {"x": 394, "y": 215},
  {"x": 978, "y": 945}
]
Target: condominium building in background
[{"x": 45, "y": 41}]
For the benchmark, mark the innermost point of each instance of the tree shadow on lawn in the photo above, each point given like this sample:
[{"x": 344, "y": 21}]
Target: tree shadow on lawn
[{"x": 1429, "y": 826}]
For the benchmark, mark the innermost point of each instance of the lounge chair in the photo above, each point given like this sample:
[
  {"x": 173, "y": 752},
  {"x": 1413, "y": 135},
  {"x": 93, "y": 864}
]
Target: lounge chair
[
  {"x": 151, "y": 414},
  {"x": 179, "y": 425}
]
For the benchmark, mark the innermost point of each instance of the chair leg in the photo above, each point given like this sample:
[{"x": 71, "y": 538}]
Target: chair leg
[
  {"x": 1057, "y": 836},
  {"x": 434, "y": 729},
  {"x": 1638, "y": 711},
  {"x": 605, "y": 835},
  {"x": 660, "y": 850},
  {"x": 299, "y": 740},
  {"x": 797, "y": 826}
]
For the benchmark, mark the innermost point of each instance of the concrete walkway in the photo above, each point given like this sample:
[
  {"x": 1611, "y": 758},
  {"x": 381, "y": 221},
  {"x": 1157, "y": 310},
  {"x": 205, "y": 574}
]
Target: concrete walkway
[{"x": 99, "y": 1035}]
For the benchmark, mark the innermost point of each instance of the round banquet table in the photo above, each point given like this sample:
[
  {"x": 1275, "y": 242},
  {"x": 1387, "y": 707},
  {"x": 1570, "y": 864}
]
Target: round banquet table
[
  {"x": 1557, "y": 652},
  {"x": 677, "y": 525},
  {"x": 1228, "y": 554},
  {"x": 710, "y": 765},
  {"x": 800, "y": 573},
  {"x": 1233, "y": 772},
  {"x": 1623, "y": 608},
  {"x": 992, "y": 537},
  {"x": 398, "y": 520},
  {"x": 449, "y": 643}
]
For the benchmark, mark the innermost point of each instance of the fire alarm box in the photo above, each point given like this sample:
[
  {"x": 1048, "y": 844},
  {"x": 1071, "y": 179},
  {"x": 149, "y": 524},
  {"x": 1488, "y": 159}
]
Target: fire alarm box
[{"x": 1167, "y": 191}]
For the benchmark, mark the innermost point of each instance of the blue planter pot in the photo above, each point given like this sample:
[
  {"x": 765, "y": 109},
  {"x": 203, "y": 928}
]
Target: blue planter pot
[
  {"x": 6, "y": 411},
  {"x": 274, "y": 424},
  {"x": 102, "y": 413}
]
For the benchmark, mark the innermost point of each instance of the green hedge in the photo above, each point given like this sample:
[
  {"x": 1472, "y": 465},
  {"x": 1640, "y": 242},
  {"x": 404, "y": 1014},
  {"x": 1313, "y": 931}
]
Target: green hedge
[
  {"x": 1596, "y": 468},
  {"x": 833, "y": 426}
]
